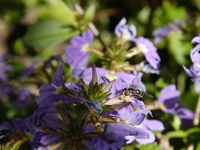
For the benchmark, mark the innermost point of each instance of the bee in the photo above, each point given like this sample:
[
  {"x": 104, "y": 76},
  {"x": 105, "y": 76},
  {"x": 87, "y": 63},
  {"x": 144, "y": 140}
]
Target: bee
[{"x": 135, "y": 92}]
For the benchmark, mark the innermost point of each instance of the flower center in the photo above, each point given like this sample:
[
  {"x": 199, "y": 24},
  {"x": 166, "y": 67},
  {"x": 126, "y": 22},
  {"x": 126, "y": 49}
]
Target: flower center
[
  {"x": 86, "y": 48},
  {"x": 111, "y": 75},
  {"x": 138, "y": 126},
  {"x": 142, "y": 48}
]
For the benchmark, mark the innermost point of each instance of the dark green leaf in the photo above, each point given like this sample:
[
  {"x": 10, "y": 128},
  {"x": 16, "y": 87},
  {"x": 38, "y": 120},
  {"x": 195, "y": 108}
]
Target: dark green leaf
[{"x": 47, "y": 33}]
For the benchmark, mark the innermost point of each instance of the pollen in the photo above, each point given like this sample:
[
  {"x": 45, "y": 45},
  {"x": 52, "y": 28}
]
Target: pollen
[
  {"x": 138, "y": 126},
  {"x": 128, "y": 99},
  {"x": 111, "y": 75},
  {"x": 86, "y": 48},
  {"x": 142, "y": 48}
]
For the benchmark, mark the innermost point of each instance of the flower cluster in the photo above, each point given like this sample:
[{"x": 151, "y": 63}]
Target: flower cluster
[
  {"x": 80, "y": 115},
  {"x": 98, "y": 108}
]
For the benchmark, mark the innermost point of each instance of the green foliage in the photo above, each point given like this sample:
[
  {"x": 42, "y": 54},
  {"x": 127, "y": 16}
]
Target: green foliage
[
  {"x": 70, "y": 4},
  {"x": 178, "y": 47},
  {"x": 47, "y": 33},
  {"x": 152, "y": 146},
  {"x": 89, "y": 13},
  {"x": 184, "y": 134}
]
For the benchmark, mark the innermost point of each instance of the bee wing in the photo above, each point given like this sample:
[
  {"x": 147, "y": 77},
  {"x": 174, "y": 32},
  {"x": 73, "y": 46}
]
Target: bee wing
[
  {"x": 135, "y": 82},
  {"x": 147, "y": 95}
]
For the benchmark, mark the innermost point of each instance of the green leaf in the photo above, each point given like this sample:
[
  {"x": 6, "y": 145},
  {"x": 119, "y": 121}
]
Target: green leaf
[
  {"x": 144, "y": 14},
  {"x": 176, "y": 122},
  {"x": 193, "y": 130},
  {"x": 177, "y": 134},
  {"x": 177, "y": 47},
  {"x": 89, "y": 13},
  {"x": 70, "y": 4},
  {"x": 47, "y": 33},
  {"x": 152, "y": 146},
  {"x": 176, "y": 13},
  {"x": 198, "y": 146}
]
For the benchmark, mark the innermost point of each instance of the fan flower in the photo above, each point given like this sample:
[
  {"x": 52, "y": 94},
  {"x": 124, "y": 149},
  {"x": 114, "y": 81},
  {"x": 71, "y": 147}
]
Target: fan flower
[
  {"x": 77, "y": 53},
  {"x": 21, "y": 133},
  {"x": 194, "y": 73},
  {"x": 145, "y": 46},
  {"x": 147, "y": 126},
  {"x": 125, "y": 32},
  {"x": 56, "y": 91},
  {"x": 123, "y": 80},
  {"x": 164, "y": 31},
  {"x": 195, "y": 52},
  {"x": 196, "y": 39},
  {"x": 168, "y": 98}
]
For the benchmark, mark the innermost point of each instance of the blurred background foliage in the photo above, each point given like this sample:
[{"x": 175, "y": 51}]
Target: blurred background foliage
[{"x": 36, "y": 30}]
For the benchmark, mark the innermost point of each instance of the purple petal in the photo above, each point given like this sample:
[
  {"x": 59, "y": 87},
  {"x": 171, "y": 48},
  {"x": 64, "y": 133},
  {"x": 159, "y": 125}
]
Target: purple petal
[
  {"x": 195, "y": 54},
  {"x": 151, "y": 138},
  {"x": 57, "y": 79},
  {"x": 169, "y": 94},
  {"x": 154, "y": 125},
  {"x": 6, "y": 126},
  {"x": 49, "y": 139},
  {"x": 196, "y": 39},
  {"x": 185, "y": 113},
  {"x": 137, "y": 117}
]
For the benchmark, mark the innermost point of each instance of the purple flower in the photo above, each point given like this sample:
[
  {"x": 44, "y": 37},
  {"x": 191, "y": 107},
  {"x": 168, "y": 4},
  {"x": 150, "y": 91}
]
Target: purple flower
[
  {"x": 4, "y": 68},
  {"x": 77, "y": 53},
  {"x": 100, "y": 144},
  {"x": 23, "y": 97},
  {"x": 125, "y": 32},
  {"x": 54, "y": 92},
  {"x": 147, "y": 126},
  {"x": 183, "y": 112},
  {"x": 21, "y": 132},
  {"x": 194, "y": 73},
  {"x": 169, "y": 97},
  {"x": 130, "y": 116},
  {"x": 186, "y": 116},
  {"x": 145, "y": 46},
  {"x": 123, "y": 80},
  {"x": 196, "y": 39},
  {"x": 28, "y": 70},
  {"x": 114, "y": 135},
  {"x": 113, "y": 131},
  {"x": 195, "y": 54},
  {"x": 164, "y": 31},
  {"x": 160, "y": 33}
]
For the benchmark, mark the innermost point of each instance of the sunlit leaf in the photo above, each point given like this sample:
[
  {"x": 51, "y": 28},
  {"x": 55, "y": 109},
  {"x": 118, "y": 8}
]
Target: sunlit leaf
[
  {"x": 152, "y": 146},
  {"x": 176, "y": 134},
  {"x": 177, "y": 47},
  {"x": 47, "y": 33},
  {"x": 70, "y": 4},
  {"x": 89, "y": 13},
  {"x": 176, "y": 13}
]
